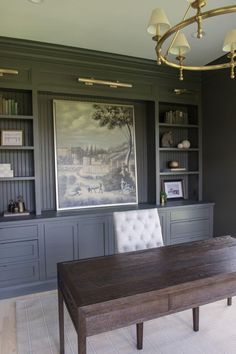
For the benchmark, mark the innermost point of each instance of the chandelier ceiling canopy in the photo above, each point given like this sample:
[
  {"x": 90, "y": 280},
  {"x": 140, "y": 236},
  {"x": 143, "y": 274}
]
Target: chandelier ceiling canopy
[{"x": 161, "y": 30}]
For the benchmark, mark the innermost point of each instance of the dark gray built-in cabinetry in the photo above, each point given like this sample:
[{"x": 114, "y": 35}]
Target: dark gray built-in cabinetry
[
  {"x": 31, "y": 246},
  {"x": 30, "y": 250}
]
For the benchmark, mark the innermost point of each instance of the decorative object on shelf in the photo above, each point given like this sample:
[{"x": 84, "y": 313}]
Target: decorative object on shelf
[
  {"x": 95, "y": 155},
  {"x": 159, "y": 26},
  {"x": 173, "y": 189},
  {"x": 176, "y": 117},
  {"x": 5, "y": 170},
  {"x": 8, "y": 106},
  {"x": 112, "y": 84},
  {"x": 21, "y": 204},
  {"x": 163, "y": 198},
  {"x": 180, "y": 146},
  {"x": 16, "y": 208},
  {"x": 173, "y": 164},
  {"x": 186, "y": 144},
  {"x": 11, "y": 138},
  {"x": 167, "y": 139}
]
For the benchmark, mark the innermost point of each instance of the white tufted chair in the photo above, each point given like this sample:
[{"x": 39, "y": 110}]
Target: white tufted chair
[{"x": 137, "y": 230}]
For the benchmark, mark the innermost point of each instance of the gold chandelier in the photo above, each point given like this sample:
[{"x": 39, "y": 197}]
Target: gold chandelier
[{"x": 161, "y": 30}]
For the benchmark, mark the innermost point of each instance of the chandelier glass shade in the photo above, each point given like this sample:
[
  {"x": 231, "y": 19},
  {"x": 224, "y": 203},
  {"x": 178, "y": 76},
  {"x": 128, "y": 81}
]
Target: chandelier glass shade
[{"x": 160, "y": 28}]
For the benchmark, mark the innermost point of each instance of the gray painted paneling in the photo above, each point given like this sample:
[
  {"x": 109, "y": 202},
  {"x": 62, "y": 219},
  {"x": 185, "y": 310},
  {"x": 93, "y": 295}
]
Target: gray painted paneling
[
  {"x": 219, "y": 149},
  {"x": 59, "y": 246},
  {"x": 93, "y": 237}
]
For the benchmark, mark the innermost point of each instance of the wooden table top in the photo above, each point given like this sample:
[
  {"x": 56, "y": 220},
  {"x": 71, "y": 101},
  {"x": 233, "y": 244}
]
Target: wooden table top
[{"x": 161, "y": 269}]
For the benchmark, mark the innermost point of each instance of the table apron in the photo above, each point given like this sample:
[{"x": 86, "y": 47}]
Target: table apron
[
  {"x": 142, "y": 308},
  {"x": 201, "y": 295}
]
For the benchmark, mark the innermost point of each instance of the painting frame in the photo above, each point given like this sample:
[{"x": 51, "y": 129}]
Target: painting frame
[
  {"x": 129, "y": 190},
  {"x": 174, "y": 189}
]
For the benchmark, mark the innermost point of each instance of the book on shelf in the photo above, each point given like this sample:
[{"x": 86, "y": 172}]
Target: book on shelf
[
  {"x": 177, "y": 169},
  {"x": 9, "y": 214},
  {"x": 8, "y": 106}
]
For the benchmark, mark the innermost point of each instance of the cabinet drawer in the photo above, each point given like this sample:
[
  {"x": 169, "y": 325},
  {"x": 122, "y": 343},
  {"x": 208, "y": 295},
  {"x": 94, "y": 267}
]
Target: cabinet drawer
[
  {"x": 177, "y": 240},
  {"x": 190, "y": 229},
  {"x": 18, "y": 232},
  {"x": 18, "y": 251},
  {"x": 187, "y": 214},
  {"x": 13, "y": 274}
]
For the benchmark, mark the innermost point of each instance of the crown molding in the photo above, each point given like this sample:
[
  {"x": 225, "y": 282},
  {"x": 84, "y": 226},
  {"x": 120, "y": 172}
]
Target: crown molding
[{"x": 66, "y": 55}]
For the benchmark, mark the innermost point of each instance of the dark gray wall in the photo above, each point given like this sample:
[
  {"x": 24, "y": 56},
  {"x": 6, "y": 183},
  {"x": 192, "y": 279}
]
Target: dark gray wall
[{"x": 219, "y": 148}]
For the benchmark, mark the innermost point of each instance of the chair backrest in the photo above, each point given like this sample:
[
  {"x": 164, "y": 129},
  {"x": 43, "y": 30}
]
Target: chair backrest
[{"x": 137, "y": 229}]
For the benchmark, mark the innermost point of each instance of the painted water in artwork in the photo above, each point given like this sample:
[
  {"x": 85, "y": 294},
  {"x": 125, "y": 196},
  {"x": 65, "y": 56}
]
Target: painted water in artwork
[{"x": 94, "y": 154}]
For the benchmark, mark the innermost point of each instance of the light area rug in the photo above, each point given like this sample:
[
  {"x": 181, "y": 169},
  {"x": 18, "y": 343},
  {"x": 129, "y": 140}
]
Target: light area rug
[{"x": 37, "y": 331}]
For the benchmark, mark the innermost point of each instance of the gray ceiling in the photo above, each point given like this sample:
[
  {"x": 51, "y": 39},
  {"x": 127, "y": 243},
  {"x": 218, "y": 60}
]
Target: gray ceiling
[{"x": 116, "y": 26}]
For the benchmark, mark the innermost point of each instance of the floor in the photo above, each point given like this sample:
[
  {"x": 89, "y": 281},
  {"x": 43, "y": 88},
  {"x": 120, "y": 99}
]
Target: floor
[{"x": 8, "y": 324}]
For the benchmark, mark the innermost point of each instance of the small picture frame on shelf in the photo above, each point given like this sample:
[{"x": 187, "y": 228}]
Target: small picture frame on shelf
[
  {"x": 11, "y": 138},
  {"x": 174, "y": 189}
]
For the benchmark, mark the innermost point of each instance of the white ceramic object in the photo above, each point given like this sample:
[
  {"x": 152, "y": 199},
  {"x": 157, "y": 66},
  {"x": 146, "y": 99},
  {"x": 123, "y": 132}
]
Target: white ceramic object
[
  {"x": 186, "y": 144},
  {"x": 180, "y": 146}
]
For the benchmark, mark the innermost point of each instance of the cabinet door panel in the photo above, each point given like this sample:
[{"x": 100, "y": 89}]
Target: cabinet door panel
[
  {"x": 196, "y": 228},
  {"x": 18, "y": 251},
  {"x": 13, "y": 274},
  {"x": 93, "y": 240},
  {"x": 59, "y": 246}
]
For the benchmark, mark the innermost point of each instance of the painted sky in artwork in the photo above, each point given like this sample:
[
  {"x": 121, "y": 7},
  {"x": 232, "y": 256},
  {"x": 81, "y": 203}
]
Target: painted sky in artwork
[{"x": 75, "y": 126}]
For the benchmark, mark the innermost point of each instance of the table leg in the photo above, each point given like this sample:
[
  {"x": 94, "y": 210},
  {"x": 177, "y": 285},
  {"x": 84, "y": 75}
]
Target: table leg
[
  {"x": 229, "y": 301},
  {"x": 196, "y": 319},
  {"x": 82, "y": 343},
  {"x": 139, "y": 331},
  {"x": 61, "y": 321}
]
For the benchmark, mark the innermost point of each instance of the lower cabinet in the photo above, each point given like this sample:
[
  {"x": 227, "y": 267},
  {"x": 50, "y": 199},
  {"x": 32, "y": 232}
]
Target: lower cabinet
[
  {"x": 93, "y": 237},
  {"x": 186, "y": 223},
  {"x": 30, "y": 250},
  {"x": 19, "y": 255},
  {"x": 60, "y": 245}
]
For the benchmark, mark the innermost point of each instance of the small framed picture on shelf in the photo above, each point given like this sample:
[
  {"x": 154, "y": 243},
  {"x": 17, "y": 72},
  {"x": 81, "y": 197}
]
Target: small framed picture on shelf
[
  {"x": 174, "y": 189},
  {"x": 11, "y": 138}
]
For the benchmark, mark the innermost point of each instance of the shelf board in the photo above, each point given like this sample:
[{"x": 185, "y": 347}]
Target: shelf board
[
  {"x": 16, "y": 148},
  {"x": 179, "y": 173},
  {"x": 179, "y": 150},
  {"x": 15, "y": 116},
  {"x": 179, "y": 125},
  {"x": 17, "y": 178}
]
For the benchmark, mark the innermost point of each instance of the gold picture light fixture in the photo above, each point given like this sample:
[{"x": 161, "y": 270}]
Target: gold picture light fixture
[
  {"x": 113, "y": 84},
  {"x": 8, "y": 71},
  {"x": 159, "y": 26}
]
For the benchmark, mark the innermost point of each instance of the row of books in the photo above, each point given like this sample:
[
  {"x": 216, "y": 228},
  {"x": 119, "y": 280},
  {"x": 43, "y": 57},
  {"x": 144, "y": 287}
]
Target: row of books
[
  {"x": 176, "y": 117},
  {"x": 8, "y": 106}
]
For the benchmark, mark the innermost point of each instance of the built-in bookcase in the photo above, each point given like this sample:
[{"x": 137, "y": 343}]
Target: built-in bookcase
[
  {"x": 183, "y": 123},
  {"x": 21, "y": 158}
]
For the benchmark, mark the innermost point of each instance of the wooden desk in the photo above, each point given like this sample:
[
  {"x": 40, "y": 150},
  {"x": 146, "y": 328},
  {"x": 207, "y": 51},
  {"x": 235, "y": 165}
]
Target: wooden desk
[{"x": 106, "y": 293}]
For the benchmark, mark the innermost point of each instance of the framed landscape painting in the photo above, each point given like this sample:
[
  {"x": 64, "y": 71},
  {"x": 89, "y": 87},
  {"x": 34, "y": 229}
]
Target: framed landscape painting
[{"x": 95, "y": 158}]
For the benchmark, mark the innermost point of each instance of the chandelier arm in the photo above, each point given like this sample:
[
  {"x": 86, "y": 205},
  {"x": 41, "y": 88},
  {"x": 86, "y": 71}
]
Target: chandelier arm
[
  {"x": 211, "y": 13},
  {"x": 195, "y": 68}
]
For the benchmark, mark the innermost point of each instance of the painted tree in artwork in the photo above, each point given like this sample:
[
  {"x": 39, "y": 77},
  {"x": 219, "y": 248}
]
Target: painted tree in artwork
[{"x": 116, "y": 116}]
